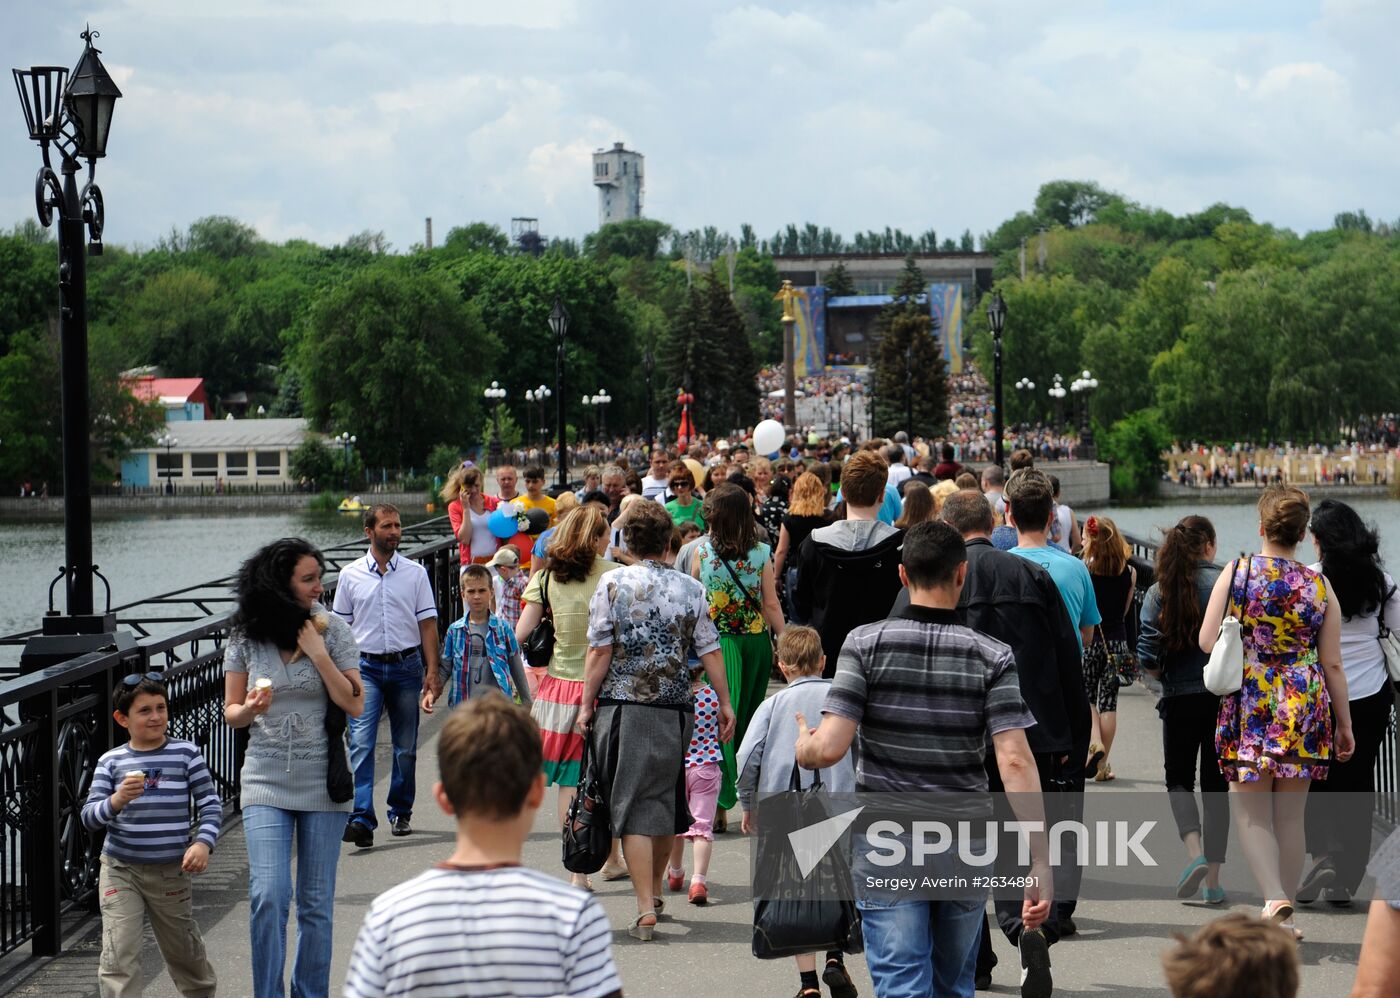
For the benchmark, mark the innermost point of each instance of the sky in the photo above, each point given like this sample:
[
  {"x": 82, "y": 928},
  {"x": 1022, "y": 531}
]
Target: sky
[{"x": 318, "y": 119}]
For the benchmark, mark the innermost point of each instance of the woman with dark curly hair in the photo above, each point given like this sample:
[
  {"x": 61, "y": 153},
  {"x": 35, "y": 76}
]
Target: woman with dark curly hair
[
  {"x": 287, "y": 664},
  {"x": 1340, "y": 809}
]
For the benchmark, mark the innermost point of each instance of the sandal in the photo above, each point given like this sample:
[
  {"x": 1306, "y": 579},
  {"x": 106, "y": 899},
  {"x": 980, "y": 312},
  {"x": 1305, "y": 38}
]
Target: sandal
[
  {"x": 640, "y": 931},
  {"x": 1096, "y": 756},
  {"x": 1288, "y": 926},
  {"x": 582, "y": 881},
  {"x": 1105, "y": 773},
  {"x": 838, "y": 980},
  {"x": 1277, "y": 911}
]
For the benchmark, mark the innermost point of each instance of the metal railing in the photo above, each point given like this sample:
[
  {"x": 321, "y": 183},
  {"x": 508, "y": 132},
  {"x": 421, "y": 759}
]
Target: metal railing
[
  {"x": 56, "y": 723},
  {"x": 1387, "y": 771}
]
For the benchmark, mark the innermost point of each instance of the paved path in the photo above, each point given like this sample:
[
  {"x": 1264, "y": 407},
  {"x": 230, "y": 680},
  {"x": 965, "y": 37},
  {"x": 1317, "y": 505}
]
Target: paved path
[{"x": 706, "y": 951}]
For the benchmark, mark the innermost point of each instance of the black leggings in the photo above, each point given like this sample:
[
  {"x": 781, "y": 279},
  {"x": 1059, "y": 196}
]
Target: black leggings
[
  {"x": 1188, "y": 740},
  {"x": 1340, "y": 826}
]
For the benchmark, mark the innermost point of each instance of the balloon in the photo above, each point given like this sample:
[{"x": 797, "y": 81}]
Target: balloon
[
  {"x": 767, "y": 436},
  {"x": 538, "y": 520},
  {"x": 501, "y": 523}
]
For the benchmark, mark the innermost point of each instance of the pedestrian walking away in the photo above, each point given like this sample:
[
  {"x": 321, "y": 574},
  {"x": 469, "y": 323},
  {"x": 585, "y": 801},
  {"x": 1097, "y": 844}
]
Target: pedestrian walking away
[{"x": 389, "y": 605}]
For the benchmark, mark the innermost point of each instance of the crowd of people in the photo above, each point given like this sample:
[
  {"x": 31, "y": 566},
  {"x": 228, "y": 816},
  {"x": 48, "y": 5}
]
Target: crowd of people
[{"x": 621, "y": 641}]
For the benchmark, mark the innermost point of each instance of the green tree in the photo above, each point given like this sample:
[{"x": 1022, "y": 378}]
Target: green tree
[
  {"x": 1071, "y": 202},
  {"x": 476, "y": 237},
  {"x": 838, "y": 281},
  {"x": 909, "y": 372},
  {"x": 386, "y": 355},
  {"x": 28, "y": 284},
  {"x": 223, "y": 237},
  {"x": 706, "y": 350},
  {"x": 1134, "y": 447},
  {"x": 645, "y": 238},
  {"x": 316, "y": 462}
]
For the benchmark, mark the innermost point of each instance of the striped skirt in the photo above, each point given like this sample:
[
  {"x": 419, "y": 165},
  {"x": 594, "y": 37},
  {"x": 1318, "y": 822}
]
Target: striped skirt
[{"x": 555, "y": 710}]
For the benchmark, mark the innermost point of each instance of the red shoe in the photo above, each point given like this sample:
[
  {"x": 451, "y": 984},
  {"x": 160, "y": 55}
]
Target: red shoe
[
  {"x": 675, "y": 881},
  {"x": 699, "y": 894}
]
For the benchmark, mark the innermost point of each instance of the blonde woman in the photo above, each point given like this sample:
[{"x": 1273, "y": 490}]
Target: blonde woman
[
  {"x": 1108, "y": 655},
  {"x": 760, "y": 469},
  {"x": 467, "y": 510},
  {"x": 807, "y": 510}
]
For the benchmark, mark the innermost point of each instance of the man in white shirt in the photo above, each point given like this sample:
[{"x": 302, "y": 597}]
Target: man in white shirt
[
  {"x": 899, "y": 471},
  {"x": 388, "y": 603},
  {"x": 658, "y": 480},
  {"x": 506, "y": 479}
]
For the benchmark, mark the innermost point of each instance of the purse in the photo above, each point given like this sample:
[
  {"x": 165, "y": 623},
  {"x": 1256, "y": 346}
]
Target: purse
[
  {"x": 587, "y": 835},
  {"x": 1390, "y": 643},
  {"x": 790, "y": 926},
  {"x": 340, "y": 784},
  {"x": 539, "y": 643},
  {"x": 1224, "y": 671}
]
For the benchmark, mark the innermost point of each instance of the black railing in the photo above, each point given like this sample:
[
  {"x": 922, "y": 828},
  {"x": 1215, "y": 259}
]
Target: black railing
[
  {"x": 1387, "y": 772},
  {"x": 56, "y": 723}
]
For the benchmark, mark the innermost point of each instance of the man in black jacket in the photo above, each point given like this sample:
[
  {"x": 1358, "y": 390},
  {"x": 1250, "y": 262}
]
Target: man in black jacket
[
  {"x": 1017, "y": 602},
  {"x": 848, "y": 572}
]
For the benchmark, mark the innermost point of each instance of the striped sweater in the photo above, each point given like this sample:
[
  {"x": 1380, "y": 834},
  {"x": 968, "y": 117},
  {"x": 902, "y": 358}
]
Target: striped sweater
[{"x": 155, "y": 827}]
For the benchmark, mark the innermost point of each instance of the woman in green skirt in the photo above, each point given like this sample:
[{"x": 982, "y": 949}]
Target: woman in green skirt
[{"x": 734, "y": 567}]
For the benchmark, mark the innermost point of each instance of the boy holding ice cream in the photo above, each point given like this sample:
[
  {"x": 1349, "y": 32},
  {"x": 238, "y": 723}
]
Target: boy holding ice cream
[{"x": 140, "y": 795}]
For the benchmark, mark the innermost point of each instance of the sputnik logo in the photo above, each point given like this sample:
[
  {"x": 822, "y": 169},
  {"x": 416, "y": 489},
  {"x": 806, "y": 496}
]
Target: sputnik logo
[{"x": 811, "y": 844}]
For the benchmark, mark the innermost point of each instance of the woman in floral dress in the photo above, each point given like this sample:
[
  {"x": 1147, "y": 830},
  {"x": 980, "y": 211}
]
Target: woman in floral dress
[
  {"x": 1276, "y": 734},
  {"x": 739, "y": 580}
]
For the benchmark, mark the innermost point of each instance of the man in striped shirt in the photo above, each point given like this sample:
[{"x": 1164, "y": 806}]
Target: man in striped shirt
[
  {"x": 919, "y": 694},
  {"x": 141, "y": 795},
  {"x": 480, "y": 924}
]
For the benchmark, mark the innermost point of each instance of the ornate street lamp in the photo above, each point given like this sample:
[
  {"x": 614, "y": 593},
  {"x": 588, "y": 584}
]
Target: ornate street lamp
[
  {"x": 559, "y": 325},
  {"x": 1057, "y": 392},
  {"x": 495, "y": 395},
  {"x": 541, "y": 396},
  {"x": 167, "y": 441},
  {"x": 996, "y": 321},
  {"x": 347, "y": 441},
  {"x": 1026, "y": 388},
  {"x": 73, "y": 113},
  {"x": 601, "y": 400},
  {"x": 648, "y": 365},
  {"x": 1083, "y": 387}
]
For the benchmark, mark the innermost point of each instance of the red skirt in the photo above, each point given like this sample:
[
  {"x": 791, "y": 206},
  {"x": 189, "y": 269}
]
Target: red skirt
[{"x": 555, "y": 710}]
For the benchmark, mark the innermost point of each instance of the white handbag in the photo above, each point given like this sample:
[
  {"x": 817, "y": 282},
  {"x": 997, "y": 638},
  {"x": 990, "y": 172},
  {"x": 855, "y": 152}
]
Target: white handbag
[
  {"x": 1224, "y": 671},
  {"x": 1390, "y": 644}
]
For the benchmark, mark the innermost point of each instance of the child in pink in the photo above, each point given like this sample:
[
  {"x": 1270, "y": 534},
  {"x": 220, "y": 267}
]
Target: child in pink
[{"x": 702, "y": 783}]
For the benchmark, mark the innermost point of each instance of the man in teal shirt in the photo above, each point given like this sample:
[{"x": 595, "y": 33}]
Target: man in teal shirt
[{"x": 1029, "y": 505}]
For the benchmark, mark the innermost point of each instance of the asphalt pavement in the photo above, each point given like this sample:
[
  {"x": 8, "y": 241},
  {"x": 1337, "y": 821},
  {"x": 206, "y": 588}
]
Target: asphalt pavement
[{"x": 706, "y": 950}]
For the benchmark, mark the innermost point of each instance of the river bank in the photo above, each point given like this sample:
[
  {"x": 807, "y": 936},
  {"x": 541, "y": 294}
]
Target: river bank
[
  {"x": 1172, "y": 494},
  {"x": 16, "y": 510}
]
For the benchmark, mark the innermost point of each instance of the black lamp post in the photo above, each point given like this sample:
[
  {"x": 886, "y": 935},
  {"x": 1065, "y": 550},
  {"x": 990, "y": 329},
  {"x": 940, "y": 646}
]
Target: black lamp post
[
  {"x": 347, "y": 442},
  {"x": 1057, "y": 392},
  {"x": 909, "y": 389},
  {"x": 495, "y": 395},
  {"x": 74, "y": 114},
  {"x": 1084, "y": 386},
  {"x": 167, "y": 441},
  {"x": 602, "y": 400},
  {"x": 648, "y": 365},
  {"x": 1026, "y": 388},
  {"x": 559, "y": 325},
  {"x": 996, "y": 320}
]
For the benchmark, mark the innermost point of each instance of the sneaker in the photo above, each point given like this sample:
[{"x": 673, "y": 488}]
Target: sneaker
[
  {"x": 982, "y": 982},
  {"x": 358, "y": 834},
  {"x": 675, "y": 880},
  {"x": 1337, "y": 897},
  {"x": 838, "y": 981},
  {"x": 1065, "y": 927},
  {"x": 399, "y": 826},
  {"x": 1035, "y": 965},
  {"x": 699, "y": 894},
  {"x": 1213, "y": 895},
  {"x": 1191, "y": 878},
  {"x": 1318, "y": 877}
]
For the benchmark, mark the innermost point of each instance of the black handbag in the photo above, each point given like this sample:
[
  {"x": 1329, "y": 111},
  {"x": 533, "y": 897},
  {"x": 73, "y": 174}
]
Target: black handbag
[
  {"x": 539, "y": 643},
  {"x": 587, "y": 831},
  {"x": 791, "y": 926},
  {"x": 340, "y": 784}
]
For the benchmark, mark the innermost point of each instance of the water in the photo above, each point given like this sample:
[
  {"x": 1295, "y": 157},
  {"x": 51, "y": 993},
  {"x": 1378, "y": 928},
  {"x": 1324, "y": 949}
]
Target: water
[
  {"x": 144, "y": 555},
  {"x": 1237, "y": 526}
]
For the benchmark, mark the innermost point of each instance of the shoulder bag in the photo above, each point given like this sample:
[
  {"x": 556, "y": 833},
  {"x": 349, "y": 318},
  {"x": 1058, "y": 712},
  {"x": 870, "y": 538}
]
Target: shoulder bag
[
  {"x": 748, "y": 596},
  {"x": 818, "y": 915},
  {"x": 1390, "y": 643},
  {"x": 587, "y": 831},
  {"x": 539, "y": 643},
  {"x": 340, "y": 784},
  {"x": 1224, "y": 671}
]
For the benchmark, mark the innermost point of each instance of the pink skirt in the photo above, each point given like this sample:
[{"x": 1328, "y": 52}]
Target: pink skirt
[{"x": 555, "y": 710}]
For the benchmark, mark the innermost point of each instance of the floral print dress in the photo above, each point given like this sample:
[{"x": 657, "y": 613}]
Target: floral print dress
[
  {"x": 1280, "y": 721},
  {"x": 734, "y": 610}
]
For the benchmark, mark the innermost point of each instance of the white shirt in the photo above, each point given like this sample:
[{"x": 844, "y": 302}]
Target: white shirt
[
  {"x": 1062, "y": 528},
  {"x": 502, "y": 933},
  {"x": 1362, "y": 659},
  {"x": 655, "y": 488},
  {"x": 898, "y": 473},
  {"x": 383, "y": 611}
]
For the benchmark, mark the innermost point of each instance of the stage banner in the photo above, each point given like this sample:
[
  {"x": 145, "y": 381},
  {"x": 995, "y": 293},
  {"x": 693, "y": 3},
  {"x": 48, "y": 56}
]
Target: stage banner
[
  {"x": 945, "y": 304},
  {"x": 809, "y": 338}
]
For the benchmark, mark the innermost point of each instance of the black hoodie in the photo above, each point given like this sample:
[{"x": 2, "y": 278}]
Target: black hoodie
[{"x": 847, "y": 575}]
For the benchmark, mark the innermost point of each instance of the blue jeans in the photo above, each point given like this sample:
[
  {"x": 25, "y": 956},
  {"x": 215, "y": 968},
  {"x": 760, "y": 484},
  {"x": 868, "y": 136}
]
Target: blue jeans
[
  {"x": 922, "y": 949},
  {"x": 269, "y": 834},
  {"x": 395, "y": 687}
]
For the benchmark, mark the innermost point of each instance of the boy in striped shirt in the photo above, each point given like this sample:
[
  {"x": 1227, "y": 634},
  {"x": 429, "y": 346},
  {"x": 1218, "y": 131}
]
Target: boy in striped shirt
[
  {"x": 480, "y": 923},
  {"x": 141, "y": 795}
]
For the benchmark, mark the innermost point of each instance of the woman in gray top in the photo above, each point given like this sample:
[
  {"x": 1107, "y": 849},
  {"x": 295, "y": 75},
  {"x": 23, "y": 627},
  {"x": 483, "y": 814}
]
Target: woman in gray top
[{"x": 287, "y": 661}]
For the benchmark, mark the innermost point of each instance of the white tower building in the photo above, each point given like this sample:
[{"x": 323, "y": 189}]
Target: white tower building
[{"x": 617, "y": 173}]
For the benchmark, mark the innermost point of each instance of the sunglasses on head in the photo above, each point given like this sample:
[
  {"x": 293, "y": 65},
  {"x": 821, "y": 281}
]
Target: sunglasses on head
[{"x": 135, "y": 678}]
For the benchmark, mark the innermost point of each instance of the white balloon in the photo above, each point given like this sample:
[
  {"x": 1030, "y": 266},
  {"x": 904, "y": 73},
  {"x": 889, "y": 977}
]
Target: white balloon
[{"x": 767, "y": 436}]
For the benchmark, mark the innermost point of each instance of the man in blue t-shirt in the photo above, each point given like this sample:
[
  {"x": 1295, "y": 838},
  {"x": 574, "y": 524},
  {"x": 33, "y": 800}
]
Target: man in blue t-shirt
[{"x": 1029, "y": 505}]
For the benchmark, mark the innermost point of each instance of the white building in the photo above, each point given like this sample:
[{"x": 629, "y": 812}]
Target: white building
[
  {"x": 617, "y": 173},
  {"x": 239, "y": 451}
]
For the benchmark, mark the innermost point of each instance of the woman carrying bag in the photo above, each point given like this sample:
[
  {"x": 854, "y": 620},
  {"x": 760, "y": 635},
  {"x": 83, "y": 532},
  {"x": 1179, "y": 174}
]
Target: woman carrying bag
[{"x": 1275, "y": 733}]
